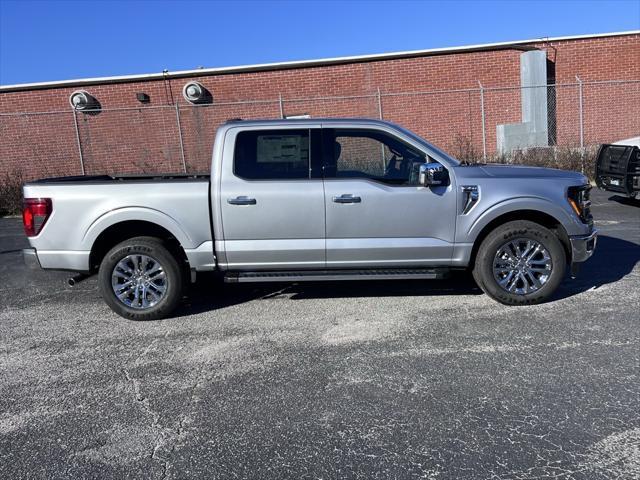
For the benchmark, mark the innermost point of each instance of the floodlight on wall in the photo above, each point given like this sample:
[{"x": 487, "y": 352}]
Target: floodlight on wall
[
  {"x": 82, "y": 100},
  {"x": 195, "y": 92},
  {"x": 143, "y": 97}
]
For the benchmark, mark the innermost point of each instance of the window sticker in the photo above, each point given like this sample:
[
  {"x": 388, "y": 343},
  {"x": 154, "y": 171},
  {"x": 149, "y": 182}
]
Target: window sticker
[{"x": 282, "y": 148}]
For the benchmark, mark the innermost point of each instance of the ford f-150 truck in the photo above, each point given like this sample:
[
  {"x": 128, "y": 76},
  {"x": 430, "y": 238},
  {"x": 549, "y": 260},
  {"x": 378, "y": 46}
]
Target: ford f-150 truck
[{"x": 310, "y": 200}]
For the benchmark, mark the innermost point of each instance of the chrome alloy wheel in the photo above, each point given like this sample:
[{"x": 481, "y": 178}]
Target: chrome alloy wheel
[
  {"x": 139, "y": 281},
  {"x": 522, "y": 266}
]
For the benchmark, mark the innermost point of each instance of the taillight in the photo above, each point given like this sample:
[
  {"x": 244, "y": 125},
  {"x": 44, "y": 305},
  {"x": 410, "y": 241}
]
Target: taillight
[{"x": 35, "y": 212}]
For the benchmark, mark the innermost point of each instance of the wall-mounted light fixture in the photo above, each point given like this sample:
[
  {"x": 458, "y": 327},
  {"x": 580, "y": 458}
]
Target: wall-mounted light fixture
[
  {"x": 195, "y": 92},
  {"x": 81, "y": 100},
  {"x": 143, "y": 97}
]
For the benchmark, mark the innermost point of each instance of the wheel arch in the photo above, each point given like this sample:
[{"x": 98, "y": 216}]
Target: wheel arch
[
  {"x": 536, "y": 216},
  {"x": 126, "y": 229}
]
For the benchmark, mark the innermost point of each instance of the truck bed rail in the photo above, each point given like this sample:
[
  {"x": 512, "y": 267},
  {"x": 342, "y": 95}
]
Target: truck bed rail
[{"x": 150, "y": 177}]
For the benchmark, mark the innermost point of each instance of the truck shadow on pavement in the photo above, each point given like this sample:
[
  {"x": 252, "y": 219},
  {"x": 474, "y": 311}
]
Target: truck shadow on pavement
[
  {"x": 15, "y": 250},
  {"x": 625, "y": 200},
  {"x": 614, "y": 259},
  {"x": 202, "y": 297}
]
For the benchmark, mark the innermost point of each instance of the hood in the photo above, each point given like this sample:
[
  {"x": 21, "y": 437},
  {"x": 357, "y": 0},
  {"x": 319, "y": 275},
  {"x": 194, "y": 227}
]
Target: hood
[
  {"x": 632, "y": 142},
  {"x": 523, "y": 171}
]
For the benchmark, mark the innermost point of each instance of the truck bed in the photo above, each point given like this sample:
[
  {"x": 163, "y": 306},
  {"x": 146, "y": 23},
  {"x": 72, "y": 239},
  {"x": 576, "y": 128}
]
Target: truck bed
[{"x": 83, "y": 207}]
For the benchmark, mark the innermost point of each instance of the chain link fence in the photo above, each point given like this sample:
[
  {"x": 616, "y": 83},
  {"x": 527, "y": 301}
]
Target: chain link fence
[{"x": 483, "y": 123}]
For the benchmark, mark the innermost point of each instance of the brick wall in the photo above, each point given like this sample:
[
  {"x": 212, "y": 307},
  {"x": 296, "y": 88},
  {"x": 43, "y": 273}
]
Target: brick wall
[{"x": 146, "y": 137}]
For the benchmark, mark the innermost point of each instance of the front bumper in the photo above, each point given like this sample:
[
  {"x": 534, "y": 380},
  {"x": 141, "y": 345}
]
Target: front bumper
[
  {"x": 583, "y": 246},
  {"x": 31, "y": 258}
]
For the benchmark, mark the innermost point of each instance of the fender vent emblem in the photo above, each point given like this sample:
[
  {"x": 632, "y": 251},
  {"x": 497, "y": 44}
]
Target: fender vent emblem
[{"x": 471, "y": 197}]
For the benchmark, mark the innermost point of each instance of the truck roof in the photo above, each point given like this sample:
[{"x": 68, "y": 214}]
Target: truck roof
[
  {"x": 290, "y": 121},
  {"x": 340, "y": 122}
]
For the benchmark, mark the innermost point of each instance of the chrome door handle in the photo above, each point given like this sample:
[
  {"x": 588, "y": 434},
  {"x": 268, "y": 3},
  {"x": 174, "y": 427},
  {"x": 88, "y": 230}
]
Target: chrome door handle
[
  {"x": 347, "y": 198},
  {"x": 242, "y": 200}
]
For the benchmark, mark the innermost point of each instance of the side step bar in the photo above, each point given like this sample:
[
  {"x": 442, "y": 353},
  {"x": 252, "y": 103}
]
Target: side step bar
[{"x": 336, "y": 275}]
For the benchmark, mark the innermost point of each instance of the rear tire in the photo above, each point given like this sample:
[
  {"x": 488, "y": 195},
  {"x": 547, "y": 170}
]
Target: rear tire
[
  {"x": 520, "y": 263},
  {"x": 140, "y": 279}
]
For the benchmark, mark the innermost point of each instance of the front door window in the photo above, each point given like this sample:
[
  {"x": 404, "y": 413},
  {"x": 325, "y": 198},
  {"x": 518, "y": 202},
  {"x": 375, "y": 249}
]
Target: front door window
[{"x": 374, "y": 155}]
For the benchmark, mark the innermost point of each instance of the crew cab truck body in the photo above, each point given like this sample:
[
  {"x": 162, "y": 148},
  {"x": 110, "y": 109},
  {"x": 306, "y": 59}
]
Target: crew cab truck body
[{"x": 313, "y": 199}]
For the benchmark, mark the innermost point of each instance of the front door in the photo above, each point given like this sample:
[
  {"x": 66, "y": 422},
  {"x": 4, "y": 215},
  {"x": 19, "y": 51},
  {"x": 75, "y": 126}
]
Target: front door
[
  {"x": 272, "y": 200},
  {"x": 376, "y": 213}
]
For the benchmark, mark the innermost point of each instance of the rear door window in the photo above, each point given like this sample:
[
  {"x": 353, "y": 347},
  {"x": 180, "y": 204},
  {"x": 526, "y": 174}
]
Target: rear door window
[{"x": 272, "y": 155}]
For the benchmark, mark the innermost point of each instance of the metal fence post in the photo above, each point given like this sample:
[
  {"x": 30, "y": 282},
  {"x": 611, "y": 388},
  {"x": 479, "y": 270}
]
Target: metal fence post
[
  {"x": 281, "y": 106},
  {"x": 384, "y": 162},
  {"x": 484, "y": 131},
  {"x": 581, "y": 121},
  {"x": 75, "y": 122},
  {"x": 580, "y": 111},
  {"x": 179, "y": 125}
]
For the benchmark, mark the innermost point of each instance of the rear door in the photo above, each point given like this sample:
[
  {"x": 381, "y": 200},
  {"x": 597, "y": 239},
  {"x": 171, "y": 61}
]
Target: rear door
[
  {"x": 272, "y": 199},
  {"x": 376, "y": 213}
]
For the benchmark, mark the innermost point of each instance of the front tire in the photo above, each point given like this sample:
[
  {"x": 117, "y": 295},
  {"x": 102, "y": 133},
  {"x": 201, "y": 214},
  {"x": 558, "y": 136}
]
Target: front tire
[
  {"x": 520, "y": 263},
  {"x": 140, "y": 279}
]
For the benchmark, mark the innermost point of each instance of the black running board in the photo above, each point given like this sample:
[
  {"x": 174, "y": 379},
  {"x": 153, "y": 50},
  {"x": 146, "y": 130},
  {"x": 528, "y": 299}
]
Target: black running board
[{"x": 337, "y": 275}]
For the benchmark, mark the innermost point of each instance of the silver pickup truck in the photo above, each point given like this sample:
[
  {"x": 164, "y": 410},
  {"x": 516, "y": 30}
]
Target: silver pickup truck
[{"x": 311, "y": 200}]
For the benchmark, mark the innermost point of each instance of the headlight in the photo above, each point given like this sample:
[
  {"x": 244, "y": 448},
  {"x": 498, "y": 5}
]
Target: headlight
[{"x": 578, "y": 198}]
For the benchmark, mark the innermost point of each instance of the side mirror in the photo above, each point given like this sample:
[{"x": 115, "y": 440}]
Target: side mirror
[{"x": 432, "y": 174}]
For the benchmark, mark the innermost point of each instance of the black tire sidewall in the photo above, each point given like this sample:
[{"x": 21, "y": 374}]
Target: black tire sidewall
[
  {"x": 153, "y": 248},
  {"x": 483, "y": 270}
]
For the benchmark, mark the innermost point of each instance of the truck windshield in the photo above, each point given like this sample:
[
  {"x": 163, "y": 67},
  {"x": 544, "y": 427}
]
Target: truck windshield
[{"x": 429, "y": 146}]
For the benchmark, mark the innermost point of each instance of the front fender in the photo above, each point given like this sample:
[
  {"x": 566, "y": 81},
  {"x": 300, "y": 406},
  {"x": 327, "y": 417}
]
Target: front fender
[
  {"x": 471, "y": 228},
  {"x": 143, "y": 214}
]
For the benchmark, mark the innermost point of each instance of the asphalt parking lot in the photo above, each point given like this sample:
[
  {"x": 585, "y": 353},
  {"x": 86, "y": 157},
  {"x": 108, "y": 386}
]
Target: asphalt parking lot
[{"x": 352, "y": 380}]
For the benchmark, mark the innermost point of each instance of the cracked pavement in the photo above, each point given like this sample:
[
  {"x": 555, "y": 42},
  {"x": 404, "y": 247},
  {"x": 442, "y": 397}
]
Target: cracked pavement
[{"x": 351, "y": 380}]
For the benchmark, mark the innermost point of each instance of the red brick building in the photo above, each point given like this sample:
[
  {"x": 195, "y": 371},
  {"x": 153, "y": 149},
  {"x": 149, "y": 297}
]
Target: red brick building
[{"x": 451, "y": 96}]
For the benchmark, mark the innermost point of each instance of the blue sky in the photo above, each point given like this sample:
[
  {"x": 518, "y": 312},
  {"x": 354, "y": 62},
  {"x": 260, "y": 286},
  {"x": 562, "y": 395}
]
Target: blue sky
[{"x": 58, "y": 40}]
